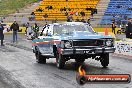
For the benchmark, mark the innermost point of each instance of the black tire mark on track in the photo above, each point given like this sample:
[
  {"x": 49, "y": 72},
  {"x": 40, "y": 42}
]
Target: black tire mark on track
[
  {"x": 6, "y": 78},
  {"x": 6, "y": 49},
  {"x": 19, "y": 46},
  {"x": 66, "y": 80}
]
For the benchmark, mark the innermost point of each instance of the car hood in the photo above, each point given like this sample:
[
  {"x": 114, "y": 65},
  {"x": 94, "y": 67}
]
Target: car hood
[{"x": 83, "y": 35}]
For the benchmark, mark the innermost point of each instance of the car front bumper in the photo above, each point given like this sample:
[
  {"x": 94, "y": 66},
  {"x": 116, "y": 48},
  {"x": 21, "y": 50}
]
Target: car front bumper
[{"x": 87, "y": 51}]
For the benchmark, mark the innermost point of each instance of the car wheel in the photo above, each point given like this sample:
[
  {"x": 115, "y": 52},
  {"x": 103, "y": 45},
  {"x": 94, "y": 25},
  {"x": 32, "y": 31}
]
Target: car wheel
[
  {"x": 104, "y": 60},
  {"x": 60, "y": 61},
  {"x": 33, "y": 51},
  {"x": 39, "y": 58}
]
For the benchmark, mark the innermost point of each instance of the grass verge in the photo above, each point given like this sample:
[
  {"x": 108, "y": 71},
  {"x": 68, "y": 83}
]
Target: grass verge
[{"x": 10, "y": 6}]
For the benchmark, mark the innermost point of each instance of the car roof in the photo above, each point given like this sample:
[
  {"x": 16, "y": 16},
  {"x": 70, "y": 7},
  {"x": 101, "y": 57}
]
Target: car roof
[{"x": 75, "y": 23}]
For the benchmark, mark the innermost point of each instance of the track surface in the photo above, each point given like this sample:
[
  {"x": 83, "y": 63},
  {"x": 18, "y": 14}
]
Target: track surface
[{"x": 18, "y": 69}]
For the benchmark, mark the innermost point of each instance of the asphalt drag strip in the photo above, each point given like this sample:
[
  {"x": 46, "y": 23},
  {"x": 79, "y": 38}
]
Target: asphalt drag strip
[
  {"x": 7, "y": 80},
  {"x": 6, "y": 49},
  {"x": 24, "y": 69},
  {"x": 19, "y": 46}
]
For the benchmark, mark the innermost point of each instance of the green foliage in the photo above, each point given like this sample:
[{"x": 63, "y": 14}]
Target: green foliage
[{"x": 10, "y": 6}]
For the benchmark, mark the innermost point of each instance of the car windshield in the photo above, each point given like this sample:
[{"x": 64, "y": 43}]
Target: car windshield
[
  {"x": 90, "y": 29},
  {"x": 64, "y": 28}
]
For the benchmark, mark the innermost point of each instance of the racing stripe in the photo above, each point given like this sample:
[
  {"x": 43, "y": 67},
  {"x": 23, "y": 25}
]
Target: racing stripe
[
  {"x": 47, "y": 42},
  {"x": 55, "y": 42},
  {"x": 40, "y": 43}
]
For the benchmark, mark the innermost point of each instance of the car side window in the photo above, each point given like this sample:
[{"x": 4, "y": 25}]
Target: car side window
[{"x": 55, "y": 29}]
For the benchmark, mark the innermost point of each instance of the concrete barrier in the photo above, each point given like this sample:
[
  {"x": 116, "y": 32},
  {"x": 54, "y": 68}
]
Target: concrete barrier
[
  {"x": 21, "y": 30},
  {"x": 124, "y": 47},
  {"x": 110, "y": 33},
  {"x": 102, "y": 29},
  {"x": 7, "y": 28}
]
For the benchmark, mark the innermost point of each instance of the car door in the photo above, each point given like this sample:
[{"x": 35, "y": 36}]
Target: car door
[{"x": 48, "y": 41}]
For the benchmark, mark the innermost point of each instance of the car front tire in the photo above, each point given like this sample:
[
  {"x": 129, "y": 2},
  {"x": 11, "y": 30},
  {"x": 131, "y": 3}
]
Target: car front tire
[
  {"x": 60, "y": 61},
  {"x": 39, "y": 58},
  {"x": 105, "y": 60}
]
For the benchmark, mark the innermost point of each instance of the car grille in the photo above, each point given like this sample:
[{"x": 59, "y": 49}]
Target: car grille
[{"x": 88, "y": 43}]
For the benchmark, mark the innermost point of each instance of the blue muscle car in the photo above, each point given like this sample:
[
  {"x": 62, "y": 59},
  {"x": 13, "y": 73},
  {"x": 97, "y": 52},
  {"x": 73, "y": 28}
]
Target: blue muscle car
[{"x": 73, "y": 40}]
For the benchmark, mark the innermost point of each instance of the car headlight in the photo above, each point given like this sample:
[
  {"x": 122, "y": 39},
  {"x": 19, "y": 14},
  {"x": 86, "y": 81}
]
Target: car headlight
[
  {"x": 109, "y": 43},
  {"x": 67, "y": 44}
]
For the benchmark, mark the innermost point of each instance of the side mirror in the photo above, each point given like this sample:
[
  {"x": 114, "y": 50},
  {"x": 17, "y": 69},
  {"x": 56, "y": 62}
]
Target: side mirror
[{"x": 96, "y": 32}]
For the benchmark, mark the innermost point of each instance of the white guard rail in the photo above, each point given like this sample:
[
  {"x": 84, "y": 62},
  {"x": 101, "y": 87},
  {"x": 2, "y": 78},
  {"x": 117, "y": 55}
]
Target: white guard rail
[{"x": 124, "y": 47}]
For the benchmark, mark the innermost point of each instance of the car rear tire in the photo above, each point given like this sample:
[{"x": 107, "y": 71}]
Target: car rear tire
[
  {"x": 39, "y": 58},
  {"x": 104, "y": 60},
  {"x": 60, "y": 61}
]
